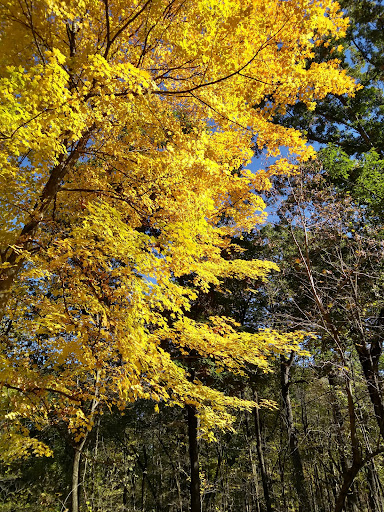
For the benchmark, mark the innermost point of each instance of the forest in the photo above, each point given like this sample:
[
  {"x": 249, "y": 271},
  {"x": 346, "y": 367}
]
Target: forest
[{"x": 192, "y": 246}]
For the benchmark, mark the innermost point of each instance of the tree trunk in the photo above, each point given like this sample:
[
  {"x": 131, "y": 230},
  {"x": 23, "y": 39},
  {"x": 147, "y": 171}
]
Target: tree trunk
[
  {"x": 349, "y": 477},
  {"x": 76, "y": 476},
  {"x": 260, "y": 456},
  {"x": 298, "y": 472},
  {"x": 369, "y": 358},
  {"x": 375, "y": 495},
  {"x": 357, "y": 463},
  {"x": 338, "y": 420},
  {"x": 78, "y": 450},
  {"x": 194, "y": 459}
]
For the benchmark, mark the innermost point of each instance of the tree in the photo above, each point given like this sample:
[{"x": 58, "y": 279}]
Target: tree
[
  {"x": 121, "y": 124},
  {"x": 352, "y": 126},
  {"x": 351, "y": 123},
  {"x": 333, "y": 280}
]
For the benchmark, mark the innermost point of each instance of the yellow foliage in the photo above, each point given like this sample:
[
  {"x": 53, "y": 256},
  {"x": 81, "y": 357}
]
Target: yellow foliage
[{"x": 125, "y": 131}]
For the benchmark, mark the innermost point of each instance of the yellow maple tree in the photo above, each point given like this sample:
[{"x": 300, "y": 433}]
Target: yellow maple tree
[{"x": 125, "y": 130}]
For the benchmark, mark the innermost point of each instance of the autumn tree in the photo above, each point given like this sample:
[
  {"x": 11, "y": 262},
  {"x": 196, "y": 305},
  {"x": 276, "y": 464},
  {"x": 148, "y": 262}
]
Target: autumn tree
[
  {"x": 353, "y": 124},
  {"x": 121, "y": 124}
]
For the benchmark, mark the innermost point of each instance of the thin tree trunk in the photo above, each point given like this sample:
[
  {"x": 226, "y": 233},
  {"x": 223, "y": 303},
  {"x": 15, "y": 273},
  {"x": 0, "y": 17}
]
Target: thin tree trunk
[
  {"x": 76, "y": 477},
  {"x": 194, "y": 459},
  {"x": 78, "y": 450},
  {"x": 255, "y": 495},
  {"x": 369, "y": 358},
  {"x": 298, "y": 471},
  {"x": 260, "y": 455},
  {"x": 175, "y": 469},
  {"x": 350, "y": 474},
  {"x": 144, "y": 473},
  {"x": 212, "y": 495},
  {"x": 338, "y": 420},
  {"x": 281, "y": 465},
  {"x": 146, "y": 480},
  {"x": 374, "y": 497}
]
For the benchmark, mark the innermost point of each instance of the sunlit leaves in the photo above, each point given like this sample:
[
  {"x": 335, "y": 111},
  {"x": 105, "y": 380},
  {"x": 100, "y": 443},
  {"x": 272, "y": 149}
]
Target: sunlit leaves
[{"x": 125, "y": 130}]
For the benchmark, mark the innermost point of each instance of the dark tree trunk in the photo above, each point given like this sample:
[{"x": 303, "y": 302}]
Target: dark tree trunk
[
  {"x": 298, "y": 471},
  {"x": 374, "y": 498},
  {"x": 350, "y": 473},
  {"x": 349, "y": 477},
  {"x": 194, "y": 459},
  {"x": 260, "y": 455},
  {"x": 338, "y": 420},
  {"x": 369, "y": 359}
]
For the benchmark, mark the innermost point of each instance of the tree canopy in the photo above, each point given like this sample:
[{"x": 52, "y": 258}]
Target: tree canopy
[{"x": 126, "y": 129}]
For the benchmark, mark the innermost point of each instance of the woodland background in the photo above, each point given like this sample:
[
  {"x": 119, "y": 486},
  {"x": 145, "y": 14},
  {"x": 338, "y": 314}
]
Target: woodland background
[{"x": 321, "y": 447}]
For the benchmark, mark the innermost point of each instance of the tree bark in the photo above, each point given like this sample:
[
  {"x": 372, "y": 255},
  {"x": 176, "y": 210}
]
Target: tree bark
[
  {"x": 349, "y": 477},
  {"x": 350, "y": 473},
  {"x": 374, "y": 496},
  {"x": 369, "y": 359},
  {"x": 78, "y": 450},
  {"x": 298, "y": 471},
  {"x": 76, "y": 472},
  {"x": 76, "y": 478},
  {"x": 260, "y": 455},
  {"x": 194, "y": 460}
]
